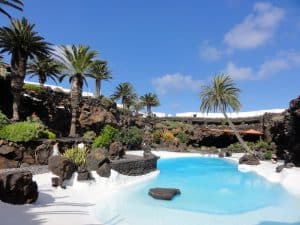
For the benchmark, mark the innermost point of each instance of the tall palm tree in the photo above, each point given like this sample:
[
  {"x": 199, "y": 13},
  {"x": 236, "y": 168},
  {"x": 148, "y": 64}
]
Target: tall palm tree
[
  {"x": 100, "y": 72},
  {"x": 125, "y": 93},
  {"x": 22, "y": 42},
  {"x": 77, "y": 61},
  {"x": 16, "y": 4},
  {"x": 150, "y": 100},
  {"x": 222, "y": 94},
  {"x": 44, "y": 68}
]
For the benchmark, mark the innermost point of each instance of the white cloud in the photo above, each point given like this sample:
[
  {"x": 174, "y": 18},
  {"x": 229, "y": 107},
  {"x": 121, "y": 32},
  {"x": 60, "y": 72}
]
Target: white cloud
[
  {"x": 282, "y": 62},
  {"x": 256, "y": 29},
  {"x": 171, "y": 83},
  {"x": 209, "y": 53},
  {"x": 238, "y": 73}
]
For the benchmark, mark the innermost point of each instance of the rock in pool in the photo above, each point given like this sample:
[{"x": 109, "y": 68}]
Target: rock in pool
[{"x": 164, "y": 193}]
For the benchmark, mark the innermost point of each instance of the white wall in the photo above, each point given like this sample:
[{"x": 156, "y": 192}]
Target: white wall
[{"x": 231, "y": 115}]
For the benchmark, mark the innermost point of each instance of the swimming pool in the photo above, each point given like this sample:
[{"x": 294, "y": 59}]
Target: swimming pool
[{"x": 213, "y": 191}]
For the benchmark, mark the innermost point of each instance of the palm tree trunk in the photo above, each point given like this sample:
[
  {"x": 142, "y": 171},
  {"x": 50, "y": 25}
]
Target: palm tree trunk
[
  {"x": 18, "y": 68},
  {"x": 98, "y": 88},
  {"x": 75, "y": 101},
  {"x": 238, "y": 136},
  {"x": 149, "y": 110},
  {"x": 41, "y": 81}
]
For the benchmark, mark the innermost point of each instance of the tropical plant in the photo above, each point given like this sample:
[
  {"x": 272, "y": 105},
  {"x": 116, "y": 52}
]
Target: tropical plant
[
  {"x": 100, "y": 72},
  {"x": 3, "y": 120},
  {"x": 149, "y": 100},
  {"x": 22, "y": 42},
  {"x": 16, "y": 4},
  {"x": 21, "y": 131},
  {"x": 76, "y": 155},
  {"x": 89, "y": 135},
  {"x": 125, "y": 93},
  {"x": 106, "y": 137},
  {"x": 182, "y": 137},
  {"x": 131, "y": 137},
  {"x": 47, "y": 134},
  {"x": 44, "y": 68},
  {"x": 32, "y": 87},
  {"x": 222, "y": 94},
  {"x": 137, "y": 106},
  {"x": 157, "y": 135},
  {"x": 77, "y": 62}
]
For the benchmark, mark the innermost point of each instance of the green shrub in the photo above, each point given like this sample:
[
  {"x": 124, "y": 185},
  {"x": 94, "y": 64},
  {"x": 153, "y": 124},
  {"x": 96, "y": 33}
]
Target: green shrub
[
  {"x": 32, "y": 87},
  {"x": 47, "y": 134},
  {"x": 106, "y": 137},
  {"x": 21, "y": 131},
  {"x": 3, "y": 120},
  {"x": 76, "y": 155},
  {"x": 268, "y": 155},
  {"x": 89, "y": 135},
  {"x": 133, "y": 138},
  {"x": 156, "y": 135},
  {"x": 182, "y": 137}
]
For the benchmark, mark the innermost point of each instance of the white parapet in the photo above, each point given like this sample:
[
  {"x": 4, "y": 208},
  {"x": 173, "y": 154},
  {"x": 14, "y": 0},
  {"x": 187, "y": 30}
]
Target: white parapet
[
  {"x": 84, "y": 93},
  {"x": 231, "y": 115}
]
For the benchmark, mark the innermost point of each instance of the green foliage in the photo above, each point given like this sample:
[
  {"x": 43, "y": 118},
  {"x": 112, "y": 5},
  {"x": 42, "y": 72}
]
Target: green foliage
[
  {"x": 47, "y": 134},
  {"x": 176, "y": 124},
  {"x": 89, "y": 135},
  {"x": 106, "y": 137},
  {"x": 3, "y": 120},
  {"x": 157, "y": 136},
  {"x": 182, "y": 137},
  {"x": 252, "y": 145},
  {"x": 76, "y": 155},
  {"x": 32, "y": 87},
  {"x": 107, "y": 103},
  {"x": 268, "y": 155},
  {"x": 132, "y": 137},
  {"x": 21, "y": 131}
]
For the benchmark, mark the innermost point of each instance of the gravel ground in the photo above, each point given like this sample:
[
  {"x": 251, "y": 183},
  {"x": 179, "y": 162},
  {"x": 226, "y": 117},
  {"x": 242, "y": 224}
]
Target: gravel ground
[{"x": 33, "y": 169}]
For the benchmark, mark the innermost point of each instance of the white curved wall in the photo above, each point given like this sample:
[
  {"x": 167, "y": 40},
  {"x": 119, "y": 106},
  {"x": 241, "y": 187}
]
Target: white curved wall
[{"x": 231, "y": 115}]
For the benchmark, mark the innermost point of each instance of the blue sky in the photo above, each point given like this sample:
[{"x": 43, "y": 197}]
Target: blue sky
[{"x": 172, "y": 47}]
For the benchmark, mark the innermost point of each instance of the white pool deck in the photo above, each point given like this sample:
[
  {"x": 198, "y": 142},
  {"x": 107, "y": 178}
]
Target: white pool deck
[{"x": 74, "y": 205}]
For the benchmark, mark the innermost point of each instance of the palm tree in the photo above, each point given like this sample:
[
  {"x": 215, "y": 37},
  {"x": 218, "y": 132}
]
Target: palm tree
[
  {"x": 17, "y": 4},
  {"x": 22, "y": 42},
  {"x": 125, "y": 92},
  {"x": 77, "y": 61},
  {"x": 137, "y": 106},
  {"x": 44, "y": 68},
  {"x": 150, "y": 100},
  {"x": 222, "y": 94},
  {"x": 100, "y": 72}
]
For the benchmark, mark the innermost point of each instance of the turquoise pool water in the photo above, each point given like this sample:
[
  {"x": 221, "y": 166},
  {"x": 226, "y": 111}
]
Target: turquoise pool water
[{"x": 213, "y": 191}]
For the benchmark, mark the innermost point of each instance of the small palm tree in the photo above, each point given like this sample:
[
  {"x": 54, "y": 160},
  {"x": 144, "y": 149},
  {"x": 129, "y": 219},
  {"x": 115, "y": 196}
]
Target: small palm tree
[
  {"x": 44, "y": 68},
  {"x": 16, "y": 4},
  {"x": 100, "y": 72},
  {"x": 125, "y": 93},
  {"x": 150, "y": 100},
  {"x": 77, "y": 62},
  {"x": 222, "y": 94},
  {"x": 22, "y": 42}
]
